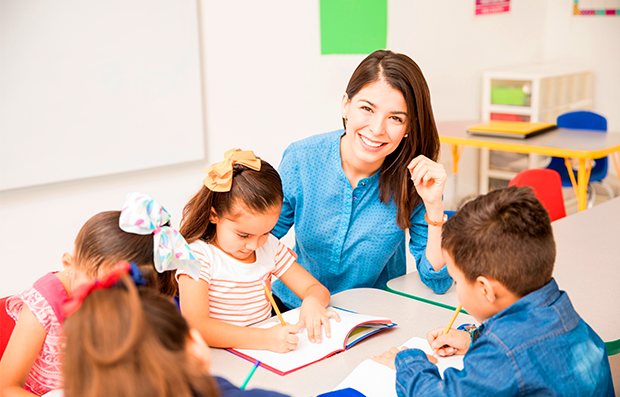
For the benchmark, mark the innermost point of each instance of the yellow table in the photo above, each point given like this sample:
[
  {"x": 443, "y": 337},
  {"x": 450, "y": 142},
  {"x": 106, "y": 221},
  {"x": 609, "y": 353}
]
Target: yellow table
[{"x": 583, "y": 145}]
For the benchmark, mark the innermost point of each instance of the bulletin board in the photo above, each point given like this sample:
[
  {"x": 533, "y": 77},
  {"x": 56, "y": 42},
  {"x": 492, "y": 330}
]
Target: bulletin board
[
  {"x": 96, "y": 88},
  {"x": 596, "y": 7}
]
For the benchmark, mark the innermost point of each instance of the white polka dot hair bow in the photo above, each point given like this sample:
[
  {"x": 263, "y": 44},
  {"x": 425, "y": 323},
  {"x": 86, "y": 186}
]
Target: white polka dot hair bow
[{"x": 143, "y": 215}]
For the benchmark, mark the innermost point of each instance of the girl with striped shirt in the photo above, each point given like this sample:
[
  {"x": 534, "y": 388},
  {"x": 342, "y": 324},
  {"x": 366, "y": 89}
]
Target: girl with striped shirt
[{"x": 228, "y": 225}]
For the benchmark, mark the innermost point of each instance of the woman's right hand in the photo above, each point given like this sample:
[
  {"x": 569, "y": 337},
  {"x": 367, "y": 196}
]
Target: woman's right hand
[
  {"x": 454, "y": 342},
  {"x": 282, "y": 339}
]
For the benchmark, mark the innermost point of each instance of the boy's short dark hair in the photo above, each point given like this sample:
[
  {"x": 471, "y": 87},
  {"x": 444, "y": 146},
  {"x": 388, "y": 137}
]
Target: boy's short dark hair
[{"x": 505, "y": 235}]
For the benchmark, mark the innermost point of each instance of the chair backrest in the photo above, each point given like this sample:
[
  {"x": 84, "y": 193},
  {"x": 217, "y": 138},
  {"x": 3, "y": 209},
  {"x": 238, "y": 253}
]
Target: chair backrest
[
  {"x": 582, "y": 120},
  {"x": 6, "y": 326},
  {"x": 547, "y": 186},
  {"x": 585, "y": 120}
]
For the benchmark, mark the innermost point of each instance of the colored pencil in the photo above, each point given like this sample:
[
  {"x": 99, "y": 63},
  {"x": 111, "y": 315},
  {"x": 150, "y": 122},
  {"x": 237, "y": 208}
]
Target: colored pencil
[
  {"x": 273, "y": 302},
  {"x": 447, "y": 329},
  {"x": 245, "y": 383}
]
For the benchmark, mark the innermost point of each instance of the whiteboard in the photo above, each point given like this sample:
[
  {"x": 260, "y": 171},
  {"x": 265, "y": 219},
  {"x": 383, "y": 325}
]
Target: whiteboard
[{"x": 90, "y": 88}]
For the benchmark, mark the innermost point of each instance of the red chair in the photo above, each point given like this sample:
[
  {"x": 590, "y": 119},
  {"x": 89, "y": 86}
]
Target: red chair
[
  {"x": 547, "y": 186},
  {"x": 6, "y": 326}
]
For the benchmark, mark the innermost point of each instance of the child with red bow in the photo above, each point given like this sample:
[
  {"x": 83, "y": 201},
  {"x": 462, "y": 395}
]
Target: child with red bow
[{"x": 31, "y": 363}]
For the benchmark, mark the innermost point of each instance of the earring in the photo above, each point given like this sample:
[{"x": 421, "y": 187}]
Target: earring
[{"x": 406, "y": 135}]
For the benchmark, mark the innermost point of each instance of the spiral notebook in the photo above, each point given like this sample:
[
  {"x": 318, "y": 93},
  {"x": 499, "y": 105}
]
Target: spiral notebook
[{"x": 352, "y": 328}]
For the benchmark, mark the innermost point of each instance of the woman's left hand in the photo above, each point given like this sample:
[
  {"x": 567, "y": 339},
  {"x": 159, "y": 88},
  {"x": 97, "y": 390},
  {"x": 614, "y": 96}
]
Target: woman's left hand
[
  {"x": 313, "y": 315},
  {"x": 429, "y": 179}
]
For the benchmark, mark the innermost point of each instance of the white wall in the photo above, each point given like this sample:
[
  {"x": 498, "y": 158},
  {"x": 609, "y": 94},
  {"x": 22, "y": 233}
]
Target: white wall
[
  {"x": 266, "y": 85},
  {"x": 591, "y": 41}
]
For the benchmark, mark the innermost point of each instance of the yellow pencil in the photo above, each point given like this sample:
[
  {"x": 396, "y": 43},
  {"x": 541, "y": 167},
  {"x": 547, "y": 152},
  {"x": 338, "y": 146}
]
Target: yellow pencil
[
  {"x": 273, "y": 303},
  {"x": 447, "y": 329},
  {"x": 456, "y": 313}
]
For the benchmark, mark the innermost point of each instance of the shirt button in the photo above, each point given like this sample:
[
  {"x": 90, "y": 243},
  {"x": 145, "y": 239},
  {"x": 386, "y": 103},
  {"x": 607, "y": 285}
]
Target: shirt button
[{"x": 354, "y": 198}]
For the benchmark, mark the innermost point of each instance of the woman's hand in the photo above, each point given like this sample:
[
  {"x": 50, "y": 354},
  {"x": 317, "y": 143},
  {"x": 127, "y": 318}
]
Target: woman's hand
[
  {"x": 312, "y": 316},
  {"x": 454, "y": 342},
  {"x": 282, "y": 339},
  {"x": 429, "y": 179}
]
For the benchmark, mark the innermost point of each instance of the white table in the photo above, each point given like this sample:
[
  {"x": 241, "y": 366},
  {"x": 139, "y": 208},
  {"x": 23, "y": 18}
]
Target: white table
[
  {"x": 587, "y": 266},
  {"x": 414, "y": 318}
]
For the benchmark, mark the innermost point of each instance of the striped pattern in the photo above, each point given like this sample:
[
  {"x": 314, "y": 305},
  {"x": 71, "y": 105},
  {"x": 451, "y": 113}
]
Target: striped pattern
[{"x": 236, "y": 294}]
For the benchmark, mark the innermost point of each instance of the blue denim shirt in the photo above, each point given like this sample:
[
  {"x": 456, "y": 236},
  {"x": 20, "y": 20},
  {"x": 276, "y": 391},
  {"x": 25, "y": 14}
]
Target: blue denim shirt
[
  {"x": 345, "y": 236},
  {"x": 537, "y": 346}
]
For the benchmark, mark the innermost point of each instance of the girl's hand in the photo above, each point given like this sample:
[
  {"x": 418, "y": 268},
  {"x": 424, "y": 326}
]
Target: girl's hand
[
  {"x": 454, "y": 342},
  {"x": 282, "y": 339},
  {"x": 429, "y": 179},
  {"x": 312, "y": 316}
]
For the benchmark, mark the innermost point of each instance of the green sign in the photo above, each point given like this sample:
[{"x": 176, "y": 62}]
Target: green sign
[{"x": 353, "y": 26}]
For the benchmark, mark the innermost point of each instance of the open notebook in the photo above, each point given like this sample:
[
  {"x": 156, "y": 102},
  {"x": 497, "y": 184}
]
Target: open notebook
[
  {"x": 352, "y": 328},
  {"x": 376, "y": 380},
  {"x": 510, "y": 129}
]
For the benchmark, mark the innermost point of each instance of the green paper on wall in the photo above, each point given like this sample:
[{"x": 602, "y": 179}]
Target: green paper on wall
[{"x": 353, "y": 26}]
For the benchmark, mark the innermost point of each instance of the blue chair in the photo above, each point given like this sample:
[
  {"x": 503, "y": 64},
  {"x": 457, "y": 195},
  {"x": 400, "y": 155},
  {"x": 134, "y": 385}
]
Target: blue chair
[{"x": 583, "y": 120}]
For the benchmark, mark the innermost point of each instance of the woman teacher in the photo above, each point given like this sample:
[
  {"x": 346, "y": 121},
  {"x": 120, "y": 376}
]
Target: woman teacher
[{"x": 353, "y": 193}]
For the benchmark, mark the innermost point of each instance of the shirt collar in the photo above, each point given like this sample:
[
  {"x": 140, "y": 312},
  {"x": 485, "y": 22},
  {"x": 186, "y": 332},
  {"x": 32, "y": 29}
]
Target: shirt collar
[{"x": 544, "y": 296}]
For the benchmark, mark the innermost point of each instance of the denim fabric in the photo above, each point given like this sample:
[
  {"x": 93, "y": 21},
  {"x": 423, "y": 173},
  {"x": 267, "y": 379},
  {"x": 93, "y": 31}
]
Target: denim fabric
[
  {"x": 538, "y": 346},
  {"x": 345, "y": 236}
]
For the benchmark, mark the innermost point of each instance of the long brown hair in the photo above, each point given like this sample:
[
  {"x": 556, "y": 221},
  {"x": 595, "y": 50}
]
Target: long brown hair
[
  {"x": 257, "y": 191},
  {"x": 101, "y": 244},
  {"x": 128, "y": 341},
  {"x": 505, "y": 235},
  {"x": 405, "y": 76}
]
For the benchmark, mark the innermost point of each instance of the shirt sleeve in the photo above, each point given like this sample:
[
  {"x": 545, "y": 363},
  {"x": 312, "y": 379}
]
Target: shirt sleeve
[
  {"x": 35, "y": 302},
  {"x": 204, "y": 258},
  {"x": 439, "y": 281},
  {"x": 486, "y": 371},
  {"x": 289, "y": 175},
  {"x": 283, "y": 260}
]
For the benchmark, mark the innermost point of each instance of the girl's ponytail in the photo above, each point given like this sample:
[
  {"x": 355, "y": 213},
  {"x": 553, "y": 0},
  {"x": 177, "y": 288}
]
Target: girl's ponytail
[{"x": 125, "y": 340}]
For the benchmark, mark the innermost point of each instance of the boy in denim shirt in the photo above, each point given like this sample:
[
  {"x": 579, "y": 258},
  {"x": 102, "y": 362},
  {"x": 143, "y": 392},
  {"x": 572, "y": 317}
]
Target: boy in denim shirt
[{"x": 500, "y": 251}]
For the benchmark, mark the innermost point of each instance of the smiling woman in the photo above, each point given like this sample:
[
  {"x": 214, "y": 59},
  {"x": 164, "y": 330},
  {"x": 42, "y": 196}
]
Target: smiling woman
[{"x": 352, "y": 193}]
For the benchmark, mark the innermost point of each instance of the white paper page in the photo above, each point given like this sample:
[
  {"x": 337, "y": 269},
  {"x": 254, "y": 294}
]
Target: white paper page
[
  {"x": 376, "y": 380},
  {"x": 307, "y": 352}
]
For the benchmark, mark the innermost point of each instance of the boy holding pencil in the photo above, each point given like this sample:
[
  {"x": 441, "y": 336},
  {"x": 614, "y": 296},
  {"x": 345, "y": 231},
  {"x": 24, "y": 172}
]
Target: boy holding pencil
[{"x": 500, "y": 251}]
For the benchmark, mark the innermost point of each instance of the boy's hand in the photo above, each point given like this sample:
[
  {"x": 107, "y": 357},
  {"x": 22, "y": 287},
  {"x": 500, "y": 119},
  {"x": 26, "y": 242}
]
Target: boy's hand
[
  {"x": 312, "y": 316},
  {"x": 388, "y": 358},
  {"x": 454, "y": 342},
  {"x": 282, "y": 339}
]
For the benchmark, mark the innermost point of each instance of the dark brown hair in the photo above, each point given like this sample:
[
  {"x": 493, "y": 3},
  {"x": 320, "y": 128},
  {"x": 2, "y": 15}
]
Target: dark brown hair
[
  {"x": 505, "y": 235},
  {"x": 125, "y": 341},
  {"x": 256, "y": 191},
  {"x": 405, "y": 76},
  {"x": 101, "y": 244}
]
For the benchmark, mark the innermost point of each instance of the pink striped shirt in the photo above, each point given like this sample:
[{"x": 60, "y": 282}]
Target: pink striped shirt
[{"x": 236, "y": 294}]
